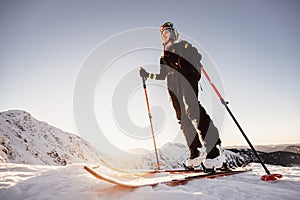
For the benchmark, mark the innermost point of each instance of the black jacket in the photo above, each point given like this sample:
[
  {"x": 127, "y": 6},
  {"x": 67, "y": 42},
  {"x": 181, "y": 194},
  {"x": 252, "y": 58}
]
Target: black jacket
[{"x": 182, "y": 57}]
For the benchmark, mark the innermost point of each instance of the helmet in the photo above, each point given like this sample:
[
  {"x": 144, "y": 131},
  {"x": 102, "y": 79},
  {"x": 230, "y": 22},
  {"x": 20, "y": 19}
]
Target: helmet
[{"x": 169, "y": 26}]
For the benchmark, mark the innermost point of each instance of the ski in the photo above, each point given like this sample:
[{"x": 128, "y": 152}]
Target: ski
[{"x": 152, "y": 178}]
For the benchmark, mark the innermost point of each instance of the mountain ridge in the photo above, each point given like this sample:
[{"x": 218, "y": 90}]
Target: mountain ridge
[{"x": 26, "y": 140}]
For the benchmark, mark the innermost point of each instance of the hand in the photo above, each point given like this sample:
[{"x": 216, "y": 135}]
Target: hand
[{"x": 143, "y": 73}]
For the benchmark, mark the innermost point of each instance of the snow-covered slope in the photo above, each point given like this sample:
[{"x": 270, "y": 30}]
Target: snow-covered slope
[
  {"x": 23, "y": 139},
  {"x": 26, "y": 140},
  {"x": 36, "y": 145},
  {"x": 20, "y": 182}
]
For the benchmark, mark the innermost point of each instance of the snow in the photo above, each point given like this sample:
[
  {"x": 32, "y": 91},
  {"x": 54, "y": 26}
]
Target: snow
[
  {"x": 21, "y": 181},
  {"x": 39, "y": 161},
  {"x": 23, "y": 139}
]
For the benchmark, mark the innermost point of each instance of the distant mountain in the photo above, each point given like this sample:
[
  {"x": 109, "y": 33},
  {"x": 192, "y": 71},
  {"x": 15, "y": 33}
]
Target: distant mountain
[
  {"x": 293, "y": 148},
  {"x": 24, "y": 139},
  {"x": 286, "y": 158},
  {"x": 173, "y": 155}
]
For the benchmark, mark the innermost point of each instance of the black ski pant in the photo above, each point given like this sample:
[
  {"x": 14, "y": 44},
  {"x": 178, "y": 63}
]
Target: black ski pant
[{"x": 194, "y": 121}]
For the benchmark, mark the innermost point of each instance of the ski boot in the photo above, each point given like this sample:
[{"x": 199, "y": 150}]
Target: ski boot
[
  {"x": 196, "y": 158},
  {"x": 214, "y": 159}
]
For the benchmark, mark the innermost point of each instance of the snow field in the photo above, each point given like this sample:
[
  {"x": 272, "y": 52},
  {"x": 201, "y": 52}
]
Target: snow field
[{"x": 19, "y": 181}]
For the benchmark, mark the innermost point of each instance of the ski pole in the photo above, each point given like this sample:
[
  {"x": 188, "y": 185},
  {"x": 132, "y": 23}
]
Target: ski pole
[
  {"x": 150, "y": 119},
  {"x": 269, "y": 176}
]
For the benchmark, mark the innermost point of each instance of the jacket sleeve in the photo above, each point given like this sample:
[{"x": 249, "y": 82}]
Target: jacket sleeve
[{"x": 163, "y": 71}]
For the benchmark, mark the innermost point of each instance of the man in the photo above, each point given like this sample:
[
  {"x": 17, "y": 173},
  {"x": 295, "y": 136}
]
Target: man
[{"x": 180, "y": 63}]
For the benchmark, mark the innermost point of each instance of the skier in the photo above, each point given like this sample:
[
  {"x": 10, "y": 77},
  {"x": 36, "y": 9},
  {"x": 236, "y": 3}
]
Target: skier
[{"x": 180, "y": 63}]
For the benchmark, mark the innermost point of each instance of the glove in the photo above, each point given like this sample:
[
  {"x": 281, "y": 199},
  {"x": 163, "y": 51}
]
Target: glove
[{"x": 144, "y": 73}]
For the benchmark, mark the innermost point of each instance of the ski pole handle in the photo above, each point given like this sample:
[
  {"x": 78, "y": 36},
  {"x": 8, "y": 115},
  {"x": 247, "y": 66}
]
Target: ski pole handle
[
  {"x": 146, "y": 96},
  {"x": 144, "y": 82}
]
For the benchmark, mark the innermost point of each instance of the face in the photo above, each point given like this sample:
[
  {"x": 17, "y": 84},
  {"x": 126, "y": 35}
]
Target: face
[{"x": 165, "y": 36}]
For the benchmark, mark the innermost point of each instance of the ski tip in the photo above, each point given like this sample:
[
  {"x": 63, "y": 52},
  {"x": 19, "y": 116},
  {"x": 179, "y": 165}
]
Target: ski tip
[{"x": 271, "y": 177}]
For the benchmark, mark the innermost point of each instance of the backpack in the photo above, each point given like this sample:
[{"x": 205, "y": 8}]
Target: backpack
[{"x": 189, "y": 55}]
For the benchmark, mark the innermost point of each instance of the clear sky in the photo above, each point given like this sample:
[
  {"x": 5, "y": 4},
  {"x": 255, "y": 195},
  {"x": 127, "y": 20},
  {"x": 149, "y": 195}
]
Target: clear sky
[{"x": 255, "y": 46}]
